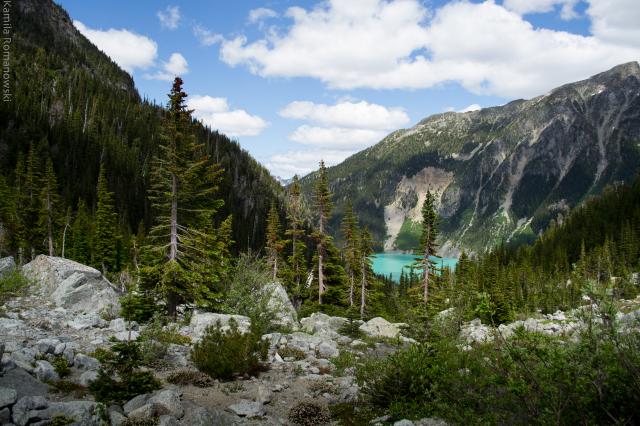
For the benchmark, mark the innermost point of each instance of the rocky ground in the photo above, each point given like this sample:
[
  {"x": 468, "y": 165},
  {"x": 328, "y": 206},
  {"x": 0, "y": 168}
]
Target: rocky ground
[{"x": 70, "y": 310}]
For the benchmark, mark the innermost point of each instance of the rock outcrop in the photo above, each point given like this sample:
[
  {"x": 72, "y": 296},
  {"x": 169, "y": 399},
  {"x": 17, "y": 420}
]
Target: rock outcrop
[{"x": 71, "y": 285}]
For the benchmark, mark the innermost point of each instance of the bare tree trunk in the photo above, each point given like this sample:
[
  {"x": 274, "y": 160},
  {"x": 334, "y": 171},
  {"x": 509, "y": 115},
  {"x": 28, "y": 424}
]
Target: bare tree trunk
[
  {"x": 363, "y": 290},
  {"x": 351, "y": 288},
  {"x": 320, "y": 271},
  {"x": 426, "y": 277},
  {"x": 49, "y": 225},
  {"x": 64, "y": 234},
  {"x": 172, "y": 301}
]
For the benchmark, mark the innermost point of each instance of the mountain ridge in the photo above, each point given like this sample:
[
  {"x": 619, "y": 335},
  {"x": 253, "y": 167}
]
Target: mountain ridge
[{"x": 491, "y": 166}]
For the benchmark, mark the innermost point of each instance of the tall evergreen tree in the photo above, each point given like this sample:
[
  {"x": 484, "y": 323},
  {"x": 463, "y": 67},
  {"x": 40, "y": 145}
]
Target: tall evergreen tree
[
  {"x": 275, "y": 245},
  {"x": 106, "y": 235},
  {"x": 7, "y": 219},
  {"x": 184, "y": 182},
  {"x": 295, "y": 232},
  {"x": 324, "y": 207},
  {"x": 50, "y": 215},
  {"x": 81, "y": 235},
  {"x": 349, "y": 229},
  {"x": 29, "y": 204},
  {"x": 428, "y": 245},
  {"x": 365, "y": 250}
]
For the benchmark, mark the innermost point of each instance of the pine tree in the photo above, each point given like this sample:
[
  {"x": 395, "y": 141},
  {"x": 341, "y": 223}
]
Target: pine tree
[
  {"x": 349, "y": 229},
  {"x": 7, "y": 218},
  {"x": 428, "y": 242},
  {"x": 49, "y": 217},
  {"x": 106, "y": 236},
  {"x": 81, "y": 235},
  {"x": 295, "y": 232},
  {"x": 365, "y": 250},
  {"x": 324, "y": 207},
  {"x": 183, "y": 184},
  {"x": 29, "y": 204},
  {"x": 275, "y": 245}
]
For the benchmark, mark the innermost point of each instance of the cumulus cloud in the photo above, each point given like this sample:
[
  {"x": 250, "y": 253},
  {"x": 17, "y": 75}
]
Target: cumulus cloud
[
  {"x": 337, "y": 138},
  {"x": 523, "y": 7},
  {"x": 205, "y": 36},
  {"x": 170, "y": 17},
  {"x": 485, "y": 47},
  {"x": 176, "y": 66},
  {"x": 361, "y": 114},
  {"x": 304, "y": 162},
  {"x": 472, "y": 107},
  {"x": 126, "y": 48},
  {"x": 260, "y": 14},
  {"x": 215, "y": 113}
]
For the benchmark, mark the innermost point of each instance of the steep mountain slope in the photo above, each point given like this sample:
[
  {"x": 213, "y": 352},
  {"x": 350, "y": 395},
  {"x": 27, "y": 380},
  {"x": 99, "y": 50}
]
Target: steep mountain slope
[
  {"x": 502, "y": 173},
  {"x": 72, "y": 103}
]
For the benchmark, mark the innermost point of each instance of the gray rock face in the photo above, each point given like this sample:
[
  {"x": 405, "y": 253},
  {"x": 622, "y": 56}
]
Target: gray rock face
[
  {"x": 26, "y": 409},
  {"x": 135, "y": 403},
  {"x": 7, "y": 397},
  {"x": 247, "y": 408},
  {"x": 279, "y": 303},
  {"x": 170, "y": 400},
  {"x": 380, "y": 327},
  {"x": 201, "y": 320},
  {"x": 7, "y": 264},
  {"x": 71, "y": 285},
  {"x": 319, "y": 323},
  {"x": 86, "y": 362},
  {"x": 87, "y": 377},
  {"x": 198, "y": 416},
  {"x": 23, "y": 383},
  {"x": 45, "y": 372}
]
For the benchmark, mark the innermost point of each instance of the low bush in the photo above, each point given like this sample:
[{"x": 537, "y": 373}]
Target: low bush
[
  {"x": 224, "y": 353},
  {"x": 190, "y": 377},
  {"x": 138, "y": 307},
  {"x": 288, "y": 352},
  {"x": 69, "y": 388},
  {"x": 309, "y": 413},
  {"x": 12, "y": 284},
  {"x": 120, "y": 378},
  {"x": 156, "y": 338},
  {"x": 61, "y": 366}
]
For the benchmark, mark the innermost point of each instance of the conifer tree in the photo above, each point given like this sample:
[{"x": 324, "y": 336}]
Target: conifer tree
[
  {"x": 295, "y": 233},
  {"x": 428, "y": 242},
  {"x": 365, "y": 250},
  {"x": 183, "y": 184},
  {"x": 324, "y": 207},
  {"x": 81, "y": 233},
  {"x": 49, "y": 217},
  {"x": 349, "y": 229},
  {"x": 7, "y": 209},
  {"x": 275, "y": 245},
  {"x": 29, "y": 205},
  {"x": 106, "y": 235}
]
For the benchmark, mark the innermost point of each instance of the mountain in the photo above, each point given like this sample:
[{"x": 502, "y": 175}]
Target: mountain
[
  {"x": 501, "y": 173},
  {"x": 73, "y": 104}
]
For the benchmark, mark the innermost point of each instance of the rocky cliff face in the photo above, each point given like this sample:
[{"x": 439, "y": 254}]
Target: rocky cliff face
[{"x": 501, "y": 173}]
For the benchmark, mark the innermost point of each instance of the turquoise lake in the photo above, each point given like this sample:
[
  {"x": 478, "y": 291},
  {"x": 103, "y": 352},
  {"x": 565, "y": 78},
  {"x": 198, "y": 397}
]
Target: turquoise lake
[{"x": 393, "y": 263}]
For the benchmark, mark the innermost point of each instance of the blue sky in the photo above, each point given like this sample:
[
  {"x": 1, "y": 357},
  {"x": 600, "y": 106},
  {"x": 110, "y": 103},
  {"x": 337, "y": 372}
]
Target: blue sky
[{"x": 296, "y": 81}]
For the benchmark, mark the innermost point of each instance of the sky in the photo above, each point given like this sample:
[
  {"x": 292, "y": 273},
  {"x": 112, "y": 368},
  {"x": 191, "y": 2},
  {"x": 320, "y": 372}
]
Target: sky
[{"x": 299, "y": 81}]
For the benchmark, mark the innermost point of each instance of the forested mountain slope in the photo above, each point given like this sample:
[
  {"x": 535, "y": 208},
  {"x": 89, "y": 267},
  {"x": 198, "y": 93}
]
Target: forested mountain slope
[
  {"x": 502, "y": 173},
  {"x": 77, "y": 107}
]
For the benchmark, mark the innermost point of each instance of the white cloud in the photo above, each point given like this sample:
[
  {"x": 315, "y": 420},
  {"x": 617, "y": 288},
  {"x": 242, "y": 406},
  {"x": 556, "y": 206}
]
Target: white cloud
[
  {"x": 337, "y": 138},
  {"x": 616, "y": 21},
  {"x": 304, "y": 162},
  {"x": 169, "y": 18},
  {"x": 205, "y": 36},
  {"x": 260, "y": 14},
  {"x": 176, "y": 66},
  {"x": 523, "y": 7},
  {"x": 485, "y": 47},
  {"x": 472, "y": 107},
  {"x": 362, "y": 115},
  {"x": 215, "y": 113},
  {"x": 344, "y": 126},
  {"x": 126, "y": 48}
]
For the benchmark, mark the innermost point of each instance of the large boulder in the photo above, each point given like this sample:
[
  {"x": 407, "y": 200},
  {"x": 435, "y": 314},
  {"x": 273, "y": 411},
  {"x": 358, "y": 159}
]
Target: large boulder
[
  {"x": 72, "y": 285},
  {"x": 319, "y": 323},
  {"x": 7, "y": 264},
  {"x": 381, "y": 328},
  {"x": 201, "y": 320},
  {"x": 279, "y": 303}
]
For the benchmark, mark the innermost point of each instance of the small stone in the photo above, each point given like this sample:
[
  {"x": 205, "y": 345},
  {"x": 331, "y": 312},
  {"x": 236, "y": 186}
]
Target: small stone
[
  {"x": 22, "y": 410},
  {"x": 85, "y": 362},
  {"x": 169, "y": 399},
  {"x": 249, "y": 409},
  {"x": 263, "y": 395},
  {"x": 45, "y": 372},
  {"x": 7, "y": 397},
  {"x": 135, "y": 403},
  {"x": 404, "y": 422},
  {"x": 87, "y": 377}
]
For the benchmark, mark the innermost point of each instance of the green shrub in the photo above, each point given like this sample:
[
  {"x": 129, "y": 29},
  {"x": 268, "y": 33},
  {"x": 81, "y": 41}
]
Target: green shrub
[
  {"x": 138, "y": 307},
  {"x": 61, "y": 366},
  {"x": 153, "y": 421},
  {"x": 119, "y": 378},
  {"x": 190, "y": 377},
  {"x": 12, "y": 284},
  {"x": 69, "y": 388},
  {"x": 156, "y": 338},
  {"x": 294, "y": 353},
  {"x": 221, "y": 354},
  {"x": 309, "y": 413},
  {"x": 60, "y": 420}
]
